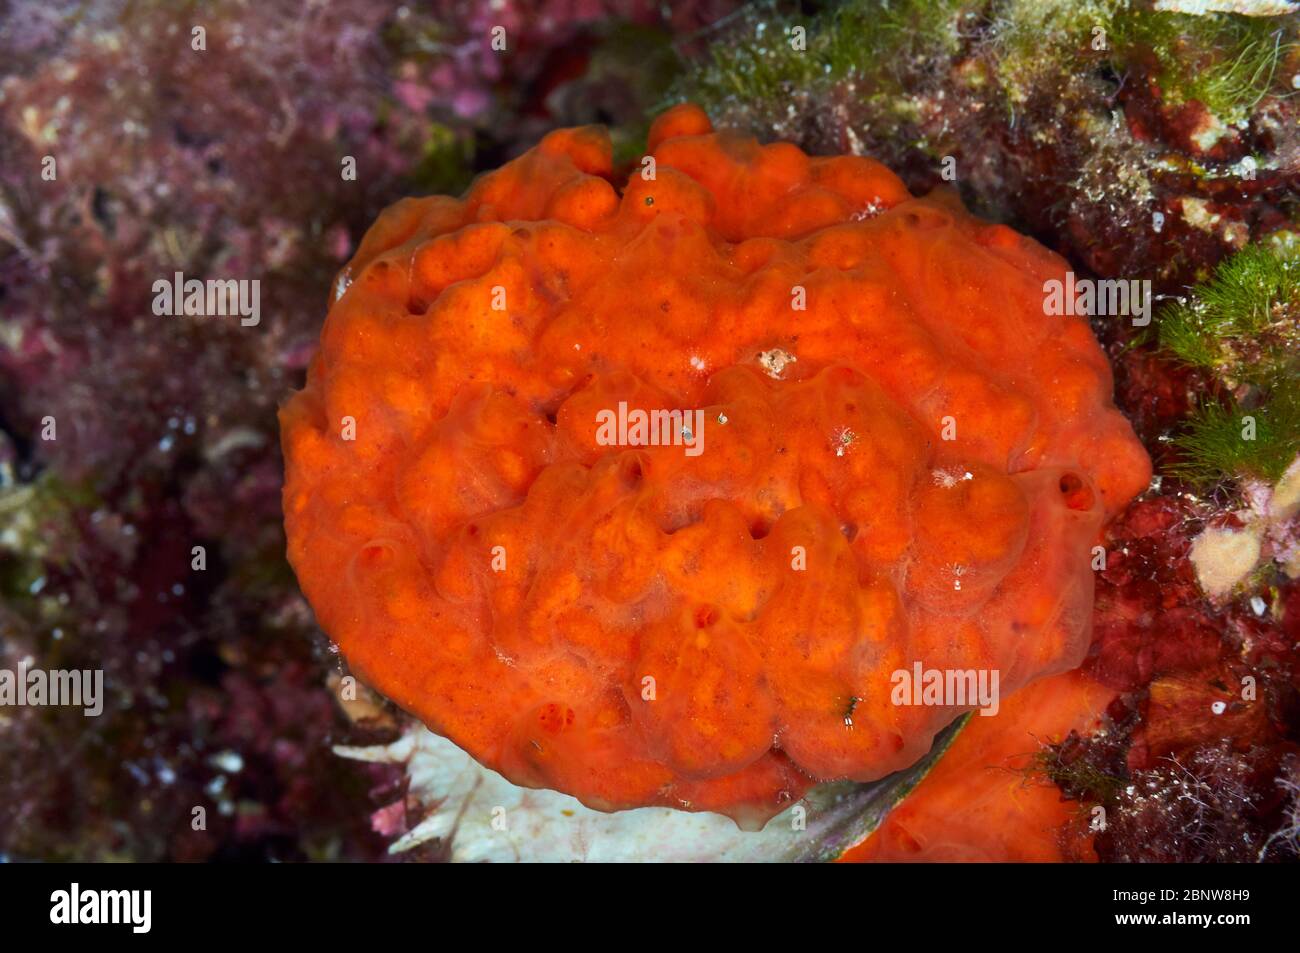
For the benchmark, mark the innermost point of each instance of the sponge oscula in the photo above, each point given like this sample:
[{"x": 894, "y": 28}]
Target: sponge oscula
[{"x": 645, "y": 494}]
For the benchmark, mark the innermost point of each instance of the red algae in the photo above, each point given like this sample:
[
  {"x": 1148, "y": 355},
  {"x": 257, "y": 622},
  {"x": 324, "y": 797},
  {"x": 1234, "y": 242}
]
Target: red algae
[{"x": 884, "y": 452}]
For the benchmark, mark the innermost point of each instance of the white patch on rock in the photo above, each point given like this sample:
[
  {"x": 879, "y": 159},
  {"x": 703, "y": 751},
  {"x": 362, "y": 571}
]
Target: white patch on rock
[
  {"x": 1196, "y": 212},
  {"x": 1224, "y": 557},
  {"x": 1284, "y": 502}
]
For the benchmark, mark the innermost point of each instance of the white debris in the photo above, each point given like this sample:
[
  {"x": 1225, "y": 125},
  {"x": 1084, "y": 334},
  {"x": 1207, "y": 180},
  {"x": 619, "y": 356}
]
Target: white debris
[
  {"x": 1224, "y": 557},
  {"x": 950, "y": 478},
  {"x": 775, "y": 361}
]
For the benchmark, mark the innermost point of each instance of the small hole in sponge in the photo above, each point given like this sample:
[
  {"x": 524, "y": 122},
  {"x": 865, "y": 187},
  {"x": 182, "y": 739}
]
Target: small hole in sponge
[
  {"x": 705, "y": 616},
  {"x": 375, "y": 554},
  {"x": 1077, "y": 495},
  {"x": 850, "y": 531},
  {"x": 556, "y": 718},
  {"x": 926, "y": 218},
  {"x": 630, "y": 472},
  {"x": 759, "y": 528}
]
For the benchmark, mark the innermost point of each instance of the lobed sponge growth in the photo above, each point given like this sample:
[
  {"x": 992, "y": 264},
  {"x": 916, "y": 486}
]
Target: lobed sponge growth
[{"x": 903, "y": 461}]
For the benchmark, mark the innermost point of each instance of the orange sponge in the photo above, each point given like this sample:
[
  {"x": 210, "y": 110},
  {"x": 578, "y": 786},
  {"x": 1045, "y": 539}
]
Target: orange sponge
[
  {"x": 983, "y": 803},
  {"x": 644, "y": 495}
]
